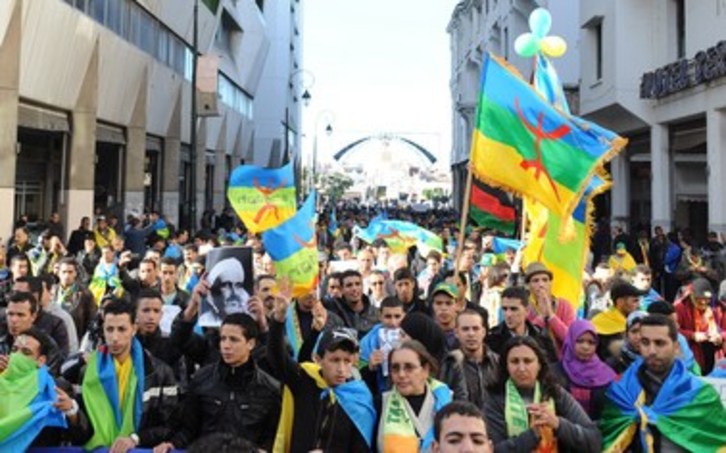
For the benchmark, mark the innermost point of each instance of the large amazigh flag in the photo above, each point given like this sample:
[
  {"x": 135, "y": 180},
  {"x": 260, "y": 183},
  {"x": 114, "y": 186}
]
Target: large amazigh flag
[
  {"x": 400, "y": 235},
  {"x": 262, "y": 197},
  {"x": 490, "y": 207},
  {"x": 687, "y": 411},
  {"x": 27, "y": 395},
  {"x": 525, "y": 145},
  {"x": 293, "y": 248}
]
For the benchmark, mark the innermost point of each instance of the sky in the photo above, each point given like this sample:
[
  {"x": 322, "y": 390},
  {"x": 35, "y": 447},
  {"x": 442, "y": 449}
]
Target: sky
[{"x": 379, "y": 66}]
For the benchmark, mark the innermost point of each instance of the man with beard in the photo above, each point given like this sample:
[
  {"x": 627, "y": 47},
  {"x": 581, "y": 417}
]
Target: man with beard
[
  {"x": 228, "y": 294},
  {"x": 264, "y": 289}
]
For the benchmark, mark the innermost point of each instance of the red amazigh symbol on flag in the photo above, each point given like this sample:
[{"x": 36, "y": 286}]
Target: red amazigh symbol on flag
[
  {"x": 306, "y": 245},
  {"x": 396, "y": 234},
  {"x": 266, "y": 194},
  {"x": 540, "y": 135}
]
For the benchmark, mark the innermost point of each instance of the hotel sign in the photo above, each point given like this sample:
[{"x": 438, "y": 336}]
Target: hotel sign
[{"x": 707, "y": 65}]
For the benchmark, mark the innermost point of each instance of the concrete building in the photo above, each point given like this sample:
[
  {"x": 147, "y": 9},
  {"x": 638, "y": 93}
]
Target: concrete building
[
  {"x": 479, "y": 26},
  {"x": 279, "y": 100},
  {"x": 655, "y": 72},
  {"x": 95, "y": 105}
]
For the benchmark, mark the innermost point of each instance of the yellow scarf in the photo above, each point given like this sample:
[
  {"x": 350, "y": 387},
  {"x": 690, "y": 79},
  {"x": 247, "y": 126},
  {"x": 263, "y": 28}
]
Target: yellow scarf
[
  {"x": 609, "y": 322},
  {"x": 123, "y": 371},
  {"x": 283, "y": 436}
]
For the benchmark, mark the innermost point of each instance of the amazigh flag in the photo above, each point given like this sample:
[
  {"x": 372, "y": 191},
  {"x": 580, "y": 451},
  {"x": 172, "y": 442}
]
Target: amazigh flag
[
  {"x": 27, "y": 394},
  {"x": 262, "y": 197},
  {"x": 293, "y": 248},
  {"x": 525, "y": 145},
  {"x": 161, "y": 229},
  {"x": 400, "y": 235},
  {"x": 491, "y": 208},
  {"x": 686, "y": 410},
  {"x": 113, "y": 414},
  {"x": 333, "y": 226}
]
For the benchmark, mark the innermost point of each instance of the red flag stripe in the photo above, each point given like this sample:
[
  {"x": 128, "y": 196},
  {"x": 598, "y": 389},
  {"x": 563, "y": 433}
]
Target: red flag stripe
[{"x": 490, "y": 203}]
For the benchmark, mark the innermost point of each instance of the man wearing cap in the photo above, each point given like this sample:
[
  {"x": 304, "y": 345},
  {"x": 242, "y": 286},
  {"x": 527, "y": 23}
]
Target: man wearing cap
[
  {"x": 323, "y": 407},
  {"x": 228, "y": 294},
  {"x": 611, "y": 324},
  {"x": 104, "y": 234},
  {"x": 699, "y": 322},
  {"x": 547, "y": 311},
  {"x": 445, "y": 309}
]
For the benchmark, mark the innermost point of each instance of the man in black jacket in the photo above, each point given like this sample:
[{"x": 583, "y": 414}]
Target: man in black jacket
[
  {"x": 231, "y": 396},
  {"x": 354, "y": 308},
  {"x": 149, "y": 310},
  {"x": 407, "y": 291},
  {"x": 515, "y": 302}
]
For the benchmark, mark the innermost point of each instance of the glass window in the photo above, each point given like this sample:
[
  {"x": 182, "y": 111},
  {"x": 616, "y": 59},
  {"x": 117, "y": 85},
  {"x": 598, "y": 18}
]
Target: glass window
[
  {"x": 148, "y": 31},
  {"x": 96, "y": 9},
  {"x": 162, "y": 46},
  {"x": 133, "y": 34},
  {"x": 81, "y": 4},
  {"x": 113, "y": 15},
  {"x": 188, "y": 63}
]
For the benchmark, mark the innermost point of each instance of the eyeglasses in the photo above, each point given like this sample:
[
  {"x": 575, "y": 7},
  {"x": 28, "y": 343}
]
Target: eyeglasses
[
  {"x": 407, "y": 368},
  {"x": 376, "y": 283}
]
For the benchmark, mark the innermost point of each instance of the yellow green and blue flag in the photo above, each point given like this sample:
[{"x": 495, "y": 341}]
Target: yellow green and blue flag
[
  {"x": 262, "y": 197},
  {"x": 293, "y": 248},
  {"x": 525, "y": 145}
]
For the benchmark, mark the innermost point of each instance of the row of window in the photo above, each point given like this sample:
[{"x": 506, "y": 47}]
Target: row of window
[{"x": 129, "y": 20}]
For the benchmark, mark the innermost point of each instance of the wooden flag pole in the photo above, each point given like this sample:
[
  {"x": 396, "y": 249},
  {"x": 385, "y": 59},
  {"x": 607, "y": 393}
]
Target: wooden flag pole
[{"x": 464, "y": 215}]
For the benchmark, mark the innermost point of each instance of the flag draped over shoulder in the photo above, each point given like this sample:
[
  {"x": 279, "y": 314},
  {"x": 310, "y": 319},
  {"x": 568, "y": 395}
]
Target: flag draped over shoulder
[
  {"x": 293, "y": 248},
  {"x": 262, "y": 197},
  {"x": 525, "y": 145},
  {"x": 27, "y": 394},
  {"x": 113, "y": 413},
  {"x": 491, "y": 208},
  {"x": 686, "y": 410}
]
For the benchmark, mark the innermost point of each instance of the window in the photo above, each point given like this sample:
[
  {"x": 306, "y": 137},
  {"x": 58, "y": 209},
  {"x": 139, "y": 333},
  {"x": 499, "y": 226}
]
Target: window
[
  {"x": 113, "y": 15},
  {"x": 96, "y": 9},
  {"x": 598, "y": 50},
  {"x": 148, "y": 33},
  {"x": 680, "y": 29}
]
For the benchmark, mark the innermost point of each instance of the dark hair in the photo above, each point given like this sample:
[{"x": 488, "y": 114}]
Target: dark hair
[
  {"x": 545, "y": 377},
  {"x": 42, "y": 338},
  {"x": 463, "y": 408},
  {"x": 403, "y": 273},
  {"x": 220, "y": 442},
  {"x": 391, "y": 302},
  {"x": 120, "y": 307},
  {"x": 434, "y": 255},
  {"x": 343, "y": 246},
  {"x": 460, "y": 275},
  {"x": 149, "y": 293},
  {"x": 481, "y": 312},
  {"x": 18, "y": 297},
  {"x": 261, "y": 277},
  {"x": 335, "y": 276},
  {"x": 659, "y": 320},
  {"x": 349, "y": 273},
  {"x": 245, "y": 322},
  {"x": 191, "y": 247},
  {"x": 70, "y": 262},
  {"x": 20, "y": 257},
  {"x": 517, "y": 292},
  {"x": 498, "y": 274},
  {"x": 168, "y": 261},
  {"x": 423, "y": 355},
  {"x": 36, "y": 286},
  {"x": 148, "y": 261}
]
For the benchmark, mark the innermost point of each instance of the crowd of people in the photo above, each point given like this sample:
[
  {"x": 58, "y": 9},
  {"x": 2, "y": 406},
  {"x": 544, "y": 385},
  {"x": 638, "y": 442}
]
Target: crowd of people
[{"x": 462, "y": 349}]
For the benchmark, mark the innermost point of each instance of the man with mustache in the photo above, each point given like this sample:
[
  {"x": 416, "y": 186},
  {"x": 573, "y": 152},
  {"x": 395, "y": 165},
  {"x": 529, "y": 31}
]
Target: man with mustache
[{"x": 228, "y": 294}]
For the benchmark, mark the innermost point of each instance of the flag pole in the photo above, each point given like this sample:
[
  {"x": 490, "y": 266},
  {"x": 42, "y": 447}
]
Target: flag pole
[{"x": 464, "y": 214}]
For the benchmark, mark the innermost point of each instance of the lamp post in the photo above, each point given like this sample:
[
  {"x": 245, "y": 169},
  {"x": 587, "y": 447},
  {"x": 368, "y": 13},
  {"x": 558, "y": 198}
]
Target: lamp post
[
  {"x": 329, "y": 118},
  {"x": 303, "y": 79},
  {"x": 193, "y": 130}
]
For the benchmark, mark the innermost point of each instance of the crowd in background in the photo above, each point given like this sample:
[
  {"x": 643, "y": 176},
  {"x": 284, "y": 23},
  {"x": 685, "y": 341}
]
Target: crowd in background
[{"x": 388, "y": 348}]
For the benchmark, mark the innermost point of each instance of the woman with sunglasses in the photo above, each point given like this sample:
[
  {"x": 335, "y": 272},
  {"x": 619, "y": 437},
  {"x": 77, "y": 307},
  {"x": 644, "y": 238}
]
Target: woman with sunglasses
[
  {"x": 527, "y": 411},
  {"x": 581, "y": 371},
  {"x": 407, "y": 411}
]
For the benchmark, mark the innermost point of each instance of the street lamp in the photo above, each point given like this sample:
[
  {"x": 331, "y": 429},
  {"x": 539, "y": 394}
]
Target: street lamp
[{"x": 329, "y": 118}]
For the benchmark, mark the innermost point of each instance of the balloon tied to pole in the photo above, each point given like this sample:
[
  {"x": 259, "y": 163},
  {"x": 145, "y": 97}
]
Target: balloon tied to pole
[{"x": 537, "y": 41}]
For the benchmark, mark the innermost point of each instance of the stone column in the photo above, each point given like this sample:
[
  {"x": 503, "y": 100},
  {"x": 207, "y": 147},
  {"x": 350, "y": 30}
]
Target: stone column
[
  {"x": 82, "y": 155},
  {"x": 136, "y": 153},
  {"x": 220, "y": 168},
  {"x": 170, "y": 174},
  {"x": 661, "y": 180},
  {"x": 716, "y": 146},
  {"x": 620, "y": 200},
  {"x": 9, "y": 82}
]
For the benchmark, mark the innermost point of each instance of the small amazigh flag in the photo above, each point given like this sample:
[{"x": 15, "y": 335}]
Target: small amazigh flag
[
  {"x": 262, "y": 197},
  {"x": 293, "y": 248},
  {"x": 525, "y": 145},
  {"x": 491, "y": 208}
]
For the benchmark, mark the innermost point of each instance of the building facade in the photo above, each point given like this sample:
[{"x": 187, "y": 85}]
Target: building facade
[
  {"x": 279, "y": 100},
  {"x": 479, "y": 26},
  {"x": 655, "y": 72},
  {"x": 95, "y": 103}
]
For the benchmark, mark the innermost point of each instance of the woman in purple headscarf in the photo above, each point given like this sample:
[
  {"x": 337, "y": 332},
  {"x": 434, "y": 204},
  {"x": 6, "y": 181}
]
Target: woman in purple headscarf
[{"x": 581, "y": 371}]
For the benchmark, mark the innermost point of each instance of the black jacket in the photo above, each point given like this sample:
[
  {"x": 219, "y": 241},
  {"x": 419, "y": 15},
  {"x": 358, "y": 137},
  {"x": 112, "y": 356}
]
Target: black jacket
[
  {"x": 81, "y": 306},
  {"x": 476, "y": 377},
  {"x": 361, "y": 322},
  {"x": 318, "y": 424},
  {"x": 243, "y": 401},
  {"x": 499, "y": 335},
  {"x": 161, "y": 347},
  {"x": 160, "y": 398}
]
